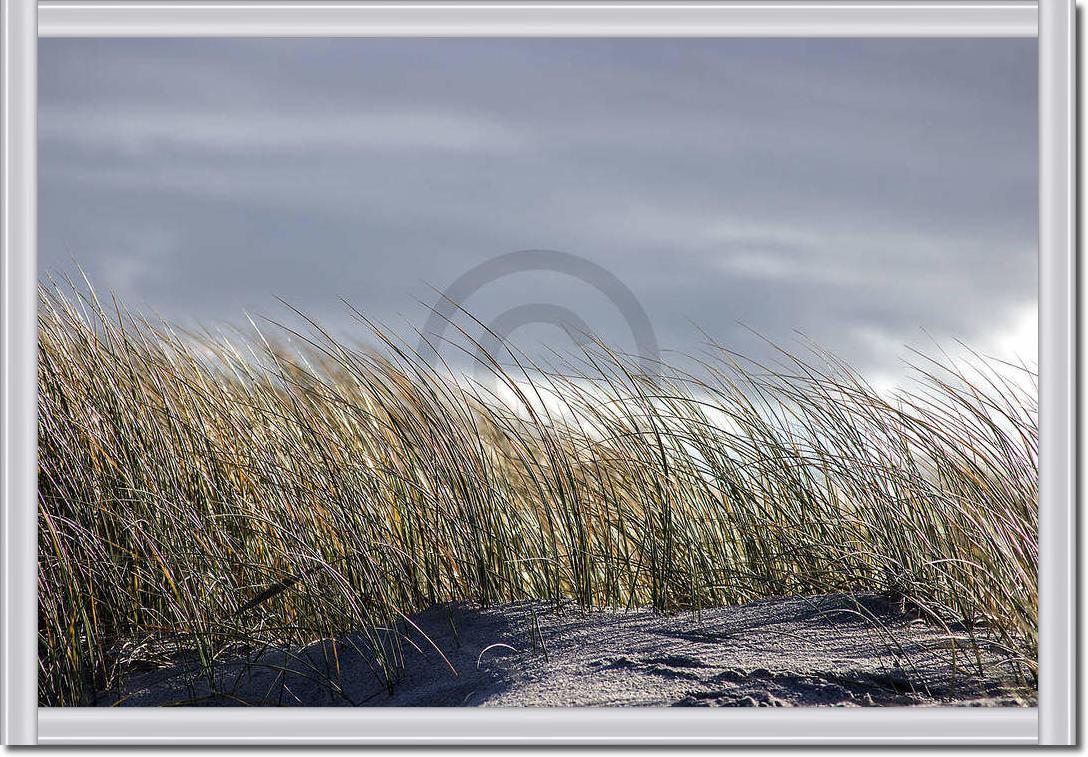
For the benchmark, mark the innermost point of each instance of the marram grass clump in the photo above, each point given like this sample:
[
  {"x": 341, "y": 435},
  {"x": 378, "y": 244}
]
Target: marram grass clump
[{"x": 207, "y": 494}]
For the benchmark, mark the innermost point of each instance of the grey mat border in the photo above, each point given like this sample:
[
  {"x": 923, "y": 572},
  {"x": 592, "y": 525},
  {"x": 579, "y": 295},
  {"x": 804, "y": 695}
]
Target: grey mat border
[
  {"x": 607, "y": 18},
  {"x": 890, "y": 725}
]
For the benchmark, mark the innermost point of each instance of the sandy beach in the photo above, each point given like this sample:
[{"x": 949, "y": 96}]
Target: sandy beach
[{"x": 833, "y": 650}]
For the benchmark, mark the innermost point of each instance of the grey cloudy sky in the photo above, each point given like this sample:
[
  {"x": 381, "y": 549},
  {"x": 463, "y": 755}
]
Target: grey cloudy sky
[{"x": 859, "y": 191}]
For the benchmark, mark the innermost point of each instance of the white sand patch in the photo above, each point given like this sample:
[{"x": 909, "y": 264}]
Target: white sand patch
[{"x": 818, "y": 651}]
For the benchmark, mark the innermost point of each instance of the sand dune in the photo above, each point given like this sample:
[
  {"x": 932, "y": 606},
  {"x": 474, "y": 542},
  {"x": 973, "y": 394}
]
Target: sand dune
[{"x": 826, "y": 651}]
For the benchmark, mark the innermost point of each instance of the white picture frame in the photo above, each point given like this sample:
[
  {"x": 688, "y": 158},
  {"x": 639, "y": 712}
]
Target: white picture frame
[{"x": 1053, "y": 722}]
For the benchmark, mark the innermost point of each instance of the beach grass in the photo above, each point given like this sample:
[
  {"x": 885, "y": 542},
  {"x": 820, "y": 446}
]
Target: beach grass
[{"x": 213, "y": 492}]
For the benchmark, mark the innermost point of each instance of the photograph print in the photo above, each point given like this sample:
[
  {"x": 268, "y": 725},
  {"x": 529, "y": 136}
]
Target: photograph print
[{"x": 541, "y": 372}]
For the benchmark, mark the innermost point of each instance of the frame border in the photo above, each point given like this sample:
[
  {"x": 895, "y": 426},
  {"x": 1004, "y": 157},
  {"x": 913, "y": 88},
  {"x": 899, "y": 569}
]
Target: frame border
[
  {"x": 18, "y": 381},
  {"x": 541, "y": 726},
  {"x": 535, "y": 18},
  {"x": 1058, "y": 374},
  {"x": 1053, "y": 20}
]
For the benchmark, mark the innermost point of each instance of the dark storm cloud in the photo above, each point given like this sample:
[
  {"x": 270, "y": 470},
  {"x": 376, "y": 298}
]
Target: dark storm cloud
[{"x": 856, "y": 190}]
